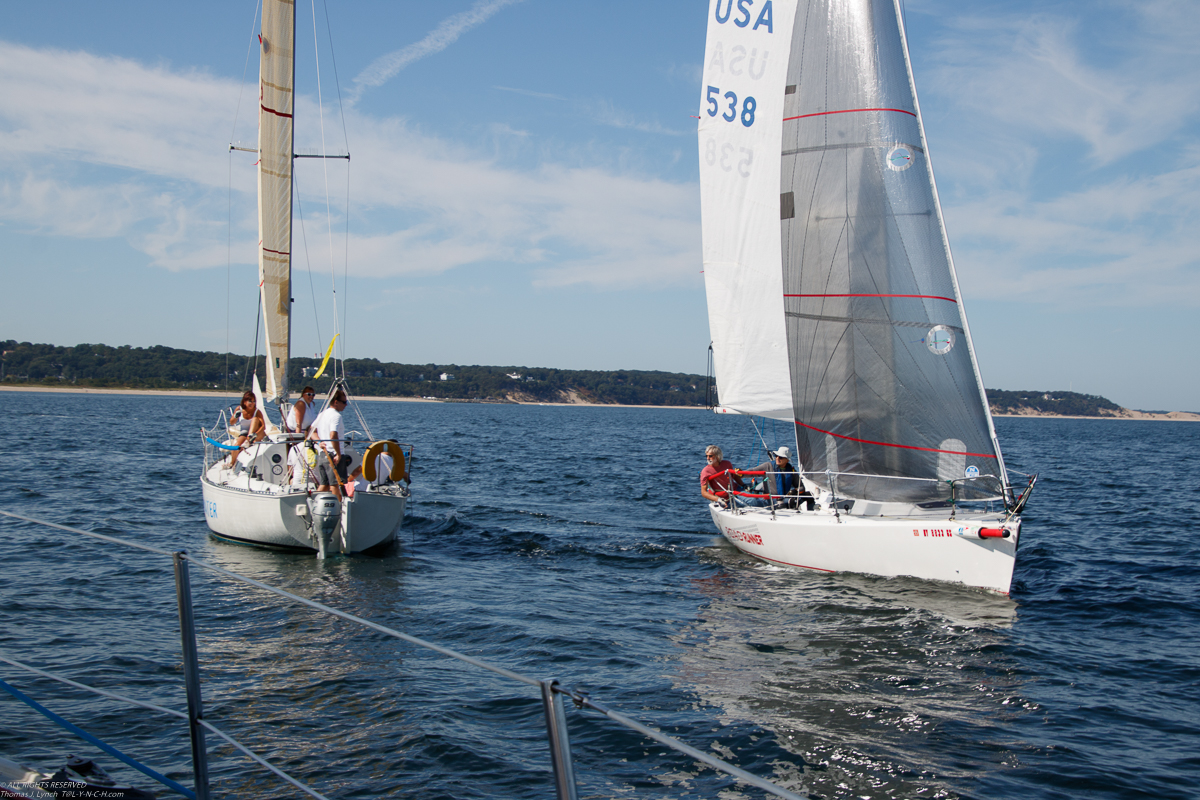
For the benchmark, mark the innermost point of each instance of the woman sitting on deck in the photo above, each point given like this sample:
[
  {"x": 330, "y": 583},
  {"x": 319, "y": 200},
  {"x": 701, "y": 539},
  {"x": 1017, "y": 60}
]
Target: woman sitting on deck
[{"x": 247, "y": 423}]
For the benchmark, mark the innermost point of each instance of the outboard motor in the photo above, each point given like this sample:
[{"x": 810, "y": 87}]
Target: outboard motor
[{"x": 325, "y": 512}]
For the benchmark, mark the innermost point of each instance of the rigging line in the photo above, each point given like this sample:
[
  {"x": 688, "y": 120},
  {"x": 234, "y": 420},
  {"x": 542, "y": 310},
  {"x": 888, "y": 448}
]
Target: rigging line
[
  {"x": 312, "y": 289},
  {"x": 257, "y": 327},
  {"x": 245, "y": 68},
  {"x": 229, "y": 220},
  {"x": 346, "y": 268},
  {"x": 228, "y": 260},
  {"x": 337, "y": 85},
  {"x": 325, "y": 170}
]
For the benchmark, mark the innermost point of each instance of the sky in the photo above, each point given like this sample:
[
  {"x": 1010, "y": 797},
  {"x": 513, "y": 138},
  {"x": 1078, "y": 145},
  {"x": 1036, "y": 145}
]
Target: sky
[{"x": 523, "y": 184}]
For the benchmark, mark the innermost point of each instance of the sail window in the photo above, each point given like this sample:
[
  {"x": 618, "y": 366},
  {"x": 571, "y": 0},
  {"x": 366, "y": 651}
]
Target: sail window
[
  {"x": 789, "y": 89},
  {"x": 953, "y": 464},
  {"x": 831, "y": 457},
  {"x": 940, "y": 339},
  {"x": 900, "y": 158},
  {"x": 787, "y": 205}
]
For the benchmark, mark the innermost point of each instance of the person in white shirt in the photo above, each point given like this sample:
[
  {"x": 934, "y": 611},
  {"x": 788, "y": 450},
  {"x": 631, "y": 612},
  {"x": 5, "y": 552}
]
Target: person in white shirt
[
  {"x": 329, "y": 433},
  {"x": 298, "y": 465},
  {"x": 304, "y": 412}
]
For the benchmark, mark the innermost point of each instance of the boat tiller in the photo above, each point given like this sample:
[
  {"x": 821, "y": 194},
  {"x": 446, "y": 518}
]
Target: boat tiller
[{"x": 325, "y": 512}]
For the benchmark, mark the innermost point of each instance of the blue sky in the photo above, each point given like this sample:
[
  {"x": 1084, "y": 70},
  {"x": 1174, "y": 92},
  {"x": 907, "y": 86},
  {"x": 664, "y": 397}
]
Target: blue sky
[{"x": 524, "y": 191}]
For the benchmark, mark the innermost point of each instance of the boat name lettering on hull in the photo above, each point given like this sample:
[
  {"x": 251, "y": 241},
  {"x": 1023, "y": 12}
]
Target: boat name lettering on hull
[
  {"x": 211, "y": 508},
  {"x": 742, "y": 536}
]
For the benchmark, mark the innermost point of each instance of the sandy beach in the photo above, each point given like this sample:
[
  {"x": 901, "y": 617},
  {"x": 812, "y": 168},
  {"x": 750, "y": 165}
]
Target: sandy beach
[{"x": 1171, "y": 416}]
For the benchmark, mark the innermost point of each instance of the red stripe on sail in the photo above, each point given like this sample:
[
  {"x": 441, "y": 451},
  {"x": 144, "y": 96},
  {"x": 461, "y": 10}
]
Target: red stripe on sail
[
  {"x": 273, "y": 111},
  {"x": 849, "y": 111},
  {"x": 921, "y": 296},
  {"x": 888, "y": 444},
  {"x": 277, "y": 252}
]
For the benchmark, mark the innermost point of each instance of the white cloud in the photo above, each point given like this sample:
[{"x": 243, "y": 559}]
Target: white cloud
[
  {"x": 1070, "y": 143},
  {"x": 1047, "y": 74},
  {"x": 105, "y": 147}
]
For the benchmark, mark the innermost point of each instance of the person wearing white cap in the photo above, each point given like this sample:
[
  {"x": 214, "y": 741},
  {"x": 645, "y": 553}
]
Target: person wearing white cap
[{"x": 782, "y": 480}]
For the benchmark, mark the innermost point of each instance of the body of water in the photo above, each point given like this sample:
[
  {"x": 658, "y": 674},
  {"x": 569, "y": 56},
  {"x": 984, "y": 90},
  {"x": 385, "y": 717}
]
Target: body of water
[{"x": 572, "y": 543}]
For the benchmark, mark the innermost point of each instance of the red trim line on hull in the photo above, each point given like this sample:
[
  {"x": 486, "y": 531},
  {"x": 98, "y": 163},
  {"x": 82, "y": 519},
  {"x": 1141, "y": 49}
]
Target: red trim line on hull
[{"x": 787, "y": 563}]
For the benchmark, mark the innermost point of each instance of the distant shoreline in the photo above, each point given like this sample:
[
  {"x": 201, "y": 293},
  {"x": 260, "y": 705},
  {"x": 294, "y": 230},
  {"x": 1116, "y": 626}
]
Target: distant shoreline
[
  {"x": 1128, "y": 415},
  {"x": 1169, "y": 416}
]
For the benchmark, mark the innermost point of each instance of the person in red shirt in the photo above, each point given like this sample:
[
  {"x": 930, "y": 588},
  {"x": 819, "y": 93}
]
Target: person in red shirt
[{"x": 714, "y": 477}]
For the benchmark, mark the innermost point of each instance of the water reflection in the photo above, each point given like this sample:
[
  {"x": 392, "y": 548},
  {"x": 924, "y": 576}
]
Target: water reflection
[{"x": 882, "y": 687}]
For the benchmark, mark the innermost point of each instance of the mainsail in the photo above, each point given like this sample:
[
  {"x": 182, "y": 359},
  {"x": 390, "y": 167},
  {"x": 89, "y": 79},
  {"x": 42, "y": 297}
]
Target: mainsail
[
  {"x": 857, "y": 285},
  {"x": 277, "y": 77}
]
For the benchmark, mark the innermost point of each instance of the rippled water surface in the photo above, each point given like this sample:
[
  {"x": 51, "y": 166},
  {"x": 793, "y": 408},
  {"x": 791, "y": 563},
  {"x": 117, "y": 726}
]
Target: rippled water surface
[{"x": 572, "y": 543}]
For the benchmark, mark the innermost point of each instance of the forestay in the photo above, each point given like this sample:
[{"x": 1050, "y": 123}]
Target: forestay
[{"x": 277, "y": 79}]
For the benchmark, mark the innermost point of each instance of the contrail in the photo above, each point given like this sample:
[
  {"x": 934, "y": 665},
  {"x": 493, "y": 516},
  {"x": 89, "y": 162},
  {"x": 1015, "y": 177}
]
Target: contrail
[{"x": 384, "y": 68}]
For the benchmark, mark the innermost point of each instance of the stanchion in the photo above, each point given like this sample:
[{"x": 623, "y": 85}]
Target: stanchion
[
  {"x": 191, "y": 673},
  {"x": 560, "y": 745}
]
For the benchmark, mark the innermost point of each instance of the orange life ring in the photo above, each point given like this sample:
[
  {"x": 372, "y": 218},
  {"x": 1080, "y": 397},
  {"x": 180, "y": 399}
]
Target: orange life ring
[{"x": 374, "y": 451}]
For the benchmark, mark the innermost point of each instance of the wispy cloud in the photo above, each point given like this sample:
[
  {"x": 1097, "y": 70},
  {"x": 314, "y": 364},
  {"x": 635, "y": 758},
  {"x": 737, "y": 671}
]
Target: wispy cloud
[
  {"x": 94, "y": 147},
  {"x": 445, "y": 34},
  {"x": 602, "y": 112},
  {"x": 1072, "y": 174}
]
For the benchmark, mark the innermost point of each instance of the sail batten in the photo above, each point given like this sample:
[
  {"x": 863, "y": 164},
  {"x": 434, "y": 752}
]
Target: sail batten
[{"x": 275, "y": 144}]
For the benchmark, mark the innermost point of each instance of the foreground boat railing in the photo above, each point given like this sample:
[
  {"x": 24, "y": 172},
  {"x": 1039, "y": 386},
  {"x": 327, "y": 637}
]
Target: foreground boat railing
[{"x": 552, "y": 692}]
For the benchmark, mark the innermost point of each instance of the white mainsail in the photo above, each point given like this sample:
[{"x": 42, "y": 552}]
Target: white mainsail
[
  {"x": 277, "y": 78},
  {"x": 846, "y": 318},
  {"x": 745, "y": 66}
]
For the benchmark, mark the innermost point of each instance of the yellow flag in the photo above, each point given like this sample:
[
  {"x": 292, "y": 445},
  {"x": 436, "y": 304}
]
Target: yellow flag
[{"x": 328, "y": 353}]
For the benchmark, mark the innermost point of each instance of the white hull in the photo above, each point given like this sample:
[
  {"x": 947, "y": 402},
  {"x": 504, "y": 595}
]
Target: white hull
[
  {"x": 932, "y": 547},
  {"x": 272, "y": 518}
]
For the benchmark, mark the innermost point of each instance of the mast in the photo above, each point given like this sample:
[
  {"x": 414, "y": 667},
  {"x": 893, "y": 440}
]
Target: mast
[{"x": 277, "y": 79}]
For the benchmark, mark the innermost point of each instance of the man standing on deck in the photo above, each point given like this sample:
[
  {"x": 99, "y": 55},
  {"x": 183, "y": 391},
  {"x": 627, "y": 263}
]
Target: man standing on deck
[{"x": 329, "y": 432}]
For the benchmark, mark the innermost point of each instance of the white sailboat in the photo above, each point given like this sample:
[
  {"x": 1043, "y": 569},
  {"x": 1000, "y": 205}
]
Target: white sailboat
[
  {"x": 255, "y": 501},
  {"x": 833, "y": 303}
]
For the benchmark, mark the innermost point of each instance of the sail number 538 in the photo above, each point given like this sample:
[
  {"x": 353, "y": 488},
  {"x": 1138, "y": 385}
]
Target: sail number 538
[
  {"x": 725, "y": 157},
  {"x": 715, "y": 98}
]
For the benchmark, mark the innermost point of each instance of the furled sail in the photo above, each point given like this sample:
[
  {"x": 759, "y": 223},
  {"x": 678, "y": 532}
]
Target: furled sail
[
  {"x": 741, "y": 103},
  {"x": 277, "y": 77},
  {"x": 883, "y": 376}
]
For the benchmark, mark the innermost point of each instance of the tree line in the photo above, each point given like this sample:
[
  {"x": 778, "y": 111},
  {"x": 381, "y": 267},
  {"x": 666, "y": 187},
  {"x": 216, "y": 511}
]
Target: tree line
[
  {"x": 1071, "y": 404},
  {"x": 101, "y": 366}
]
